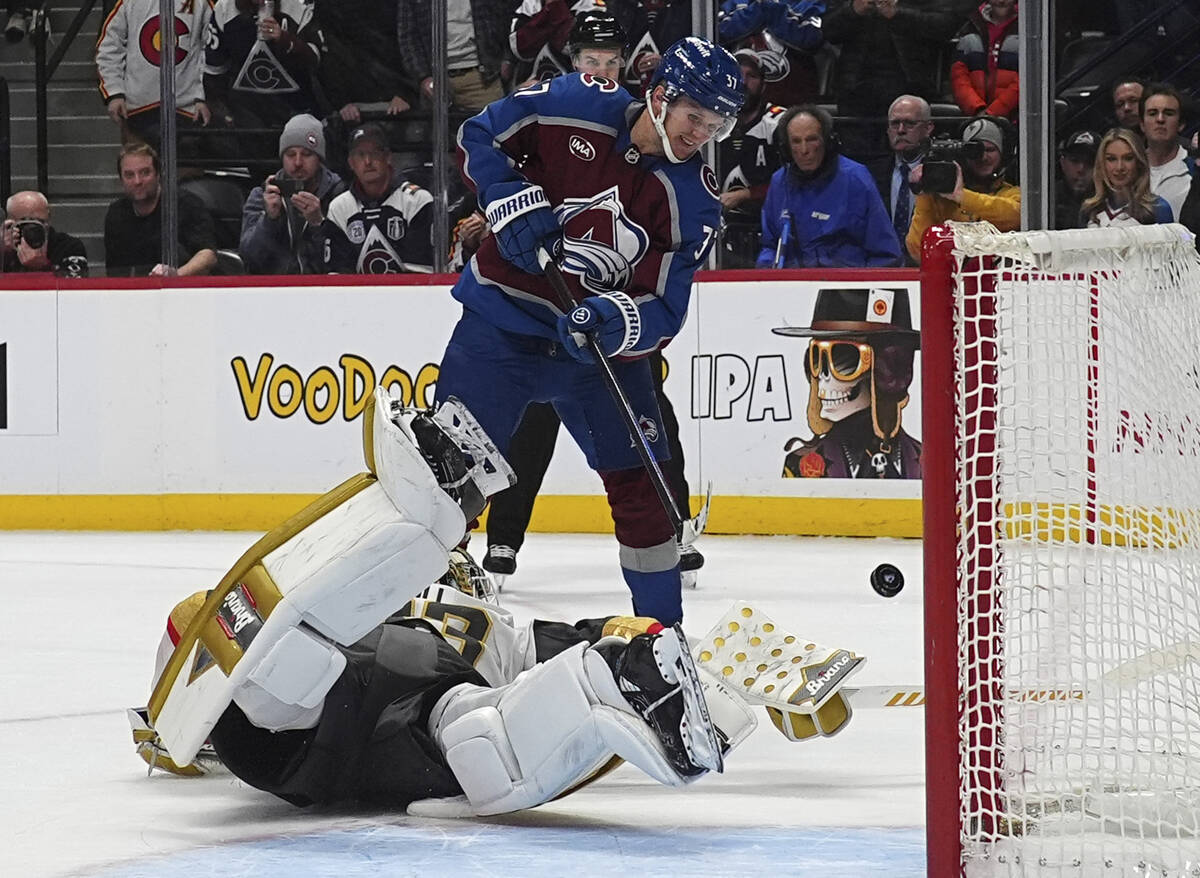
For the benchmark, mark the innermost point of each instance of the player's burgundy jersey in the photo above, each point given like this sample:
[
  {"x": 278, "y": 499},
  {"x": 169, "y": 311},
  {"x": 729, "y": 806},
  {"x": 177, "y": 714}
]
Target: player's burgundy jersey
[{"x": 631, "y": 222}]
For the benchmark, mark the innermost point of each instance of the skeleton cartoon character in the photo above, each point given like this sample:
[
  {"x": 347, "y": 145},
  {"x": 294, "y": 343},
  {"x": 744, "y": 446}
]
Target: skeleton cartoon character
[{"x": 859, "y": 365}]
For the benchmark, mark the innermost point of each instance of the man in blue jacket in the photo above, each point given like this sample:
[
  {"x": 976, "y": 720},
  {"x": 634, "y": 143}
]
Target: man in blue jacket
[{"x": 822, "y": 209}]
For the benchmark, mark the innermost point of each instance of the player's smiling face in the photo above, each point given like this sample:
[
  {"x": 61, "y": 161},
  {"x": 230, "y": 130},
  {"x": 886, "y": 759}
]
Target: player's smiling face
[{"x": 689, "y": 126}]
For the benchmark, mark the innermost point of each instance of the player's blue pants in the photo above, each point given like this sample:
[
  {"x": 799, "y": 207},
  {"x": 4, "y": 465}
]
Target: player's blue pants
[{"x": 497, "y": 374}]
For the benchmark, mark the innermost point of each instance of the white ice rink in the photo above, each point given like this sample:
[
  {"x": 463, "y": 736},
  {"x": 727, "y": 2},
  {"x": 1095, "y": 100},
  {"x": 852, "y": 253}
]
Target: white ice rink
[{"x": 82, "y": 616}]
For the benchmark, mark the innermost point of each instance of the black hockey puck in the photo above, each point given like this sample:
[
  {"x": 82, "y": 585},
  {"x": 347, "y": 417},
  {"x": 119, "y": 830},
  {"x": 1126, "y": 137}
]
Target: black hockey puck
[{"x": 887, "y": 580}]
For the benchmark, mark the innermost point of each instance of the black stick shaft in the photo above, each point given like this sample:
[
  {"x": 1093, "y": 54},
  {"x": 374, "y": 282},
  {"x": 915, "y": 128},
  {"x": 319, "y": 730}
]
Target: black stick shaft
[{"x": 567, "y": 302}]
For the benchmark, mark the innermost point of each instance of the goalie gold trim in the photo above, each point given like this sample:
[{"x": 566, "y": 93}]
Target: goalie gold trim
[{"x": 251, "y": 557}]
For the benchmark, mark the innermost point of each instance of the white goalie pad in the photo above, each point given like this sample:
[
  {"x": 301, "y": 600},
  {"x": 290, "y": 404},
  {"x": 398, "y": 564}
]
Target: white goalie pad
[
  {"x": 266, "y": 635},
  {"x": 553, "y": 728}
]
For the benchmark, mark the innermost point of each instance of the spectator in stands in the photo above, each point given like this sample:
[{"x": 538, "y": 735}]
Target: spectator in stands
[
  {"x": 1127, "y": 103},
  {"x": 475, "y": 44},
  {"x": 1076, "y": 178},
  {"x": 1122, "y": 175},
  {"x": 747, "y": 158},
  {"x": 133, "y": 224},
  {"x": 20, "y": 18},
  {"x": 983, "y": 74},
  {"x": 282, "y": 222},
  {"x": 979, "y": 191},
  {"x": 362, "y": 58},
  {"x": 822, "y": 208},
  {"x": 1189, "y": 214},
  {"x": 1171, "y": 168},
  {"x": 127, "y": 60},
  {"x": 381, "y": 224},
  {"x": 652, "y": 26},
  {"x": 909, "y": 127},
  {"x": 31, "y": 243},
  {"x": 888, "y": 48},
  {"x": 784, "y": 34},
  {"x": 260, "y": 65}
]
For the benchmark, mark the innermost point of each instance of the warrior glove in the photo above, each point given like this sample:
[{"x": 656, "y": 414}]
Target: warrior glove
[
  {"x": 613, "y": 319},
  {"x": 522, "y": 221}
]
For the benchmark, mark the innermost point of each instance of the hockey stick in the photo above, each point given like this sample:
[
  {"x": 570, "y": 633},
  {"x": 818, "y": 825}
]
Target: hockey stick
[
  {"x": 567, "y": 302},
  {"x": 1126, "y": 675}
]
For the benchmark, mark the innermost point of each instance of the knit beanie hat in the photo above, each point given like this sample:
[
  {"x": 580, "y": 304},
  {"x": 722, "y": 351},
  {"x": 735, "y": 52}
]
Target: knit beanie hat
[{"x": 303, "y": 130}]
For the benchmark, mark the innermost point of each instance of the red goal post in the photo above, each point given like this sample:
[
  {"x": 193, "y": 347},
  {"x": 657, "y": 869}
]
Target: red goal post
[{"x": 1061, "y": 469}]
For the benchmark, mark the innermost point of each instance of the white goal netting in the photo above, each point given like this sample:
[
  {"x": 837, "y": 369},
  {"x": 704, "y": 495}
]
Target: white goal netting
[{"x": 1077, "y": 388}]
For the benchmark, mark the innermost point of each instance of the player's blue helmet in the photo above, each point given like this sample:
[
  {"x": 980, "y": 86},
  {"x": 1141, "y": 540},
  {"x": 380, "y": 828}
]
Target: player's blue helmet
[{"x": 704, "y": 72}]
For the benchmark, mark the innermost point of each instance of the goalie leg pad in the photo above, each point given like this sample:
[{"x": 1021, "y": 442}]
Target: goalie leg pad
[
  {"x": 509, "y": 750},
  {"x": 730, "y": 713},
  {"x": 393, "y": 454},
  {"x": 340, "y": 567},
  {"x": 349, "y": 570}
]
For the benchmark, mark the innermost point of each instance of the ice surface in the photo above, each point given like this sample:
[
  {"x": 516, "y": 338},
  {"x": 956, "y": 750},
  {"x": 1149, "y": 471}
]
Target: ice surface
[{"x": 82, "y": 617}]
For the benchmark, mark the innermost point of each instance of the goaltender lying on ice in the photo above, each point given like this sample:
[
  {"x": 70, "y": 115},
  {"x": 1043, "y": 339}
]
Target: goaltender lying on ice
[{"x": 324, "y": 667}]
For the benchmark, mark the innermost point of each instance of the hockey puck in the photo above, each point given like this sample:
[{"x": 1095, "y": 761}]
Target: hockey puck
[{"x": 887, "y": 580}]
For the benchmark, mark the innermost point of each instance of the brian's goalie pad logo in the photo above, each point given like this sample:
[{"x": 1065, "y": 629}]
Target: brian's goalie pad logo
[{"x": 238, "y": 617}]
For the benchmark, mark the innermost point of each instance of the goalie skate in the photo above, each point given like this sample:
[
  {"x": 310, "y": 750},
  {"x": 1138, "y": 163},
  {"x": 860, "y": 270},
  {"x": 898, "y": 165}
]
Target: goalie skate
[
  {"x": 656, "y": 675},
  {"x": 795, "y": 679}
]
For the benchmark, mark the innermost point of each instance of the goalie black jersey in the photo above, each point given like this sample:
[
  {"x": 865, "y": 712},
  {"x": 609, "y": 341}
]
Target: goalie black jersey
[{"x": 372, "y": 743}]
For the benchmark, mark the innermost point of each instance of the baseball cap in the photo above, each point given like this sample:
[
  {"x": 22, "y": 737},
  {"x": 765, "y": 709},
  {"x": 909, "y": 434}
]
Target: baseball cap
[
  {"x": 369, "y": 133},
  {"x": 1081, "y": 142}
]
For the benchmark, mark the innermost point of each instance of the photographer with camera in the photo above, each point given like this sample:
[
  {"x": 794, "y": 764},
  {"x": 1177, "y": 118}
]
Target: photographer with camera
[
  {"x": 963, "y": 180},
  {"x": 30, "y": 243},
  {"x": 281, "y": 220}
]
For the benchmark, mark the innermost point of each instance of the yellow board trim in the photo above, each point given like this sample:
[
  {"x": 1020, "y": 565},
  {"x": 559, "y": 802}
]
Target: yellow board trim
[
  {"x": 815, "y": 516},
  {"x": 1138, "y": 527}
]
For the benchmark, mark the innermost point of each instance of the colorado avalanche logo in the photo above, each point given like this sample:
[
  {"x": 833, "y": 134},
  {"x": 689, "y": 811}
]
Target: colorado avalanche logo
[
  {"x": 150, "y": 41},
  {"x": 601, "y": 243},
  {"x": 649, "y": 428}
]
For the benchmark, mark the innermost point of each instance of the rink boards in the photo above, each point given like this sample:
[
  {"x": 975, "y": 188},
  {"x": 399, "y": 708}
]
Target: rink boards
[{"x": 229, "y": 403}]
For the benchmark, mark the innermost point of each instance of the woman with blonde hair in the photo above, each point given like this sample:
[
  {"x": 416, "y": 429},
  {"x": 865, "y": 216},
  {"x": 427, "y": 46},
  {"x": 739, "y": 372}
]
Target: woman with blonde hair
[{"x": 1122, "y": 175}]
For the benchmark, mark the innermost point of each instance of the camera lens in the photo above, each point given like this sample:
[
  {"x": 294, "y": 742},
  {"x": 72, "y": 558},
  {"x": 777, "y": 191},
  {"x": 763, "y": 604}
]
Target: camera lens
[{"x": 33, "y": 234}]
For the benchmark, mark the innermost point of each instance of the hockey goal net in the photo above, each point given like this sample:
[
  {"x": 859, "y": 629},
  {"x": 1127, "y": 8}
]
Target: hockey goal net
[{"x": 1061, "y": 375}]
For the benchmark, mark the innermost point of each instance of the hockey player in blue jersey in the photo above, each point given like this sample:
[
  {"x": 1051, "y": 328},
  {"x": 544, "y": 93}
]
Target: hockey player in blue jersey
[{"x": 616, "y": 190}]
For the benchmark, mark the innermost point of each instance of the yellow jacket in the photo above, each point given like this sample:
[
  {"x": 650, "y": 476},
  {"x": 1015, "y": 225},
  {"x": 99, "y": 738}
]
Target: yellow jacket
[{"x": 1001, "y": 208}]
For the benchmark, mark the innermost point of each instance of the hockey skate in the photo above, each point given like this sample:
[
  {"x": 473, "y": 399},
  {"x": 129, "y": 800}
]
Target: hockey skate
[
  {"x": 657, "y": 676},
  {"x": 690, "y": 559},
  {"x": 501, "y": 562}
]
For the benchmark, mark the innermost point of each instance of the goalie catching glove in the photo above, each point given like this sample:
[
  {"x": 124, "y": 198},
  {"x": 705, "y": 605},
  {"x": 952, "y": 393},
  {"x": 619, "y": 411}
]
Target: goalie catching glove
[
  {"x": 613, "y": 319},
  {"x": 522, "y": 222}
]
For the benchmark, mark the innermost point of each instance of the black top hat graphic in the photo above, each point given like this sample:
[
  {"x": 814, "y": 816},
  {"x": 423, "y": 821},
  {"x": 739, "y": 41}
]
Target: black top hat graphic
[{"x": 842, "y": 313}]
